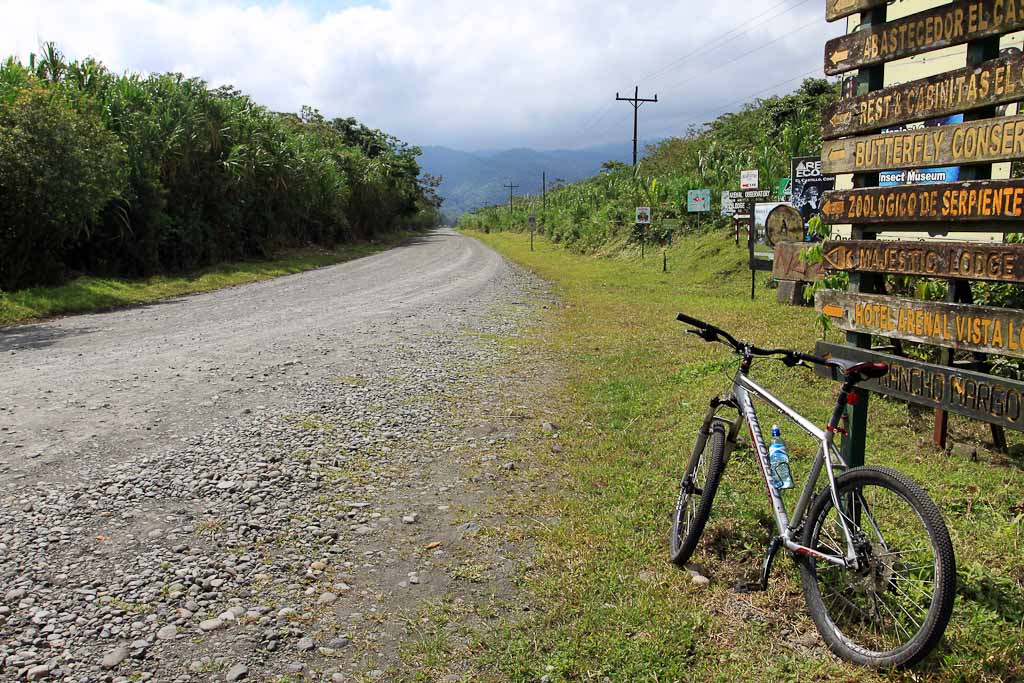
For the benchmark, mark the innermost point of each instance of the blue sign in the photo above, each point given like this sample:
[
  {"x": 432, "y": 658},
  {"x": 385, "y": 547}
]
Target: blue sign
[
  {"x": 698, "y": 201},
  {"x": 920, "y": 176}
]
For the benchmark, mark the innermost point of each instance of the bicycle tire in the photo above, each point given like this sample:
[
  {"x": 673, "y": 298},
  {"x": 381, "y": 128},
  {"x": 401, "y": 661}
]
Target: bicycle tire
[
  {"x": 688, "y": 528},
  {"x": 882, "y": 581}
]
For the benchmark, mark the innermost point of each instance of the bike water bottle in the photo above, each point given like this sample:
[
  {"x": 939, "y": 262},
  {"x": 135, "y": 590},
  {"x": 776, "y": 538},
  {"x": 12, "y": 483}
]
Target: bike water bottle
[{"x": 778, "y": 459}]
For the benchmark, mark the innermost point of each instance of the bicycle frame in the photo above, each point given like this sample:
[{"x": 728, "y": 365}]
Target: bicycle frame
[{"x": 740, "y": 398}]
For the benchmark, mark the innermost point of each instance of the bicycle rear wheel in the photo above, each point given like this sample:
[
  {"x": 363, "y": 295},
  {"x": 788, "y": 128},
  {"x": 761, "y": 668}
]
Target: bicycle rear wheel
[
  {"x": 696, "y": 494},
  {"x": 892, "y": 611}
]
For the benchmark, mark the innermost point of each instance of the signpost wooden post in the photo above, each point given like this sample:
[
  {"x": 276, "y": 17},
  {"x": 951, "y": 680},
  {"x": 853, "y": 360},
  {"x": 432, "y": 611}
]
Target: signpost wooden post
[
  {"x": 854, "y": 143},
  {"x": 950, "y": 24},
  {"x": 971, "y": 142},
  {"x": 976, "y": 200},
  {"x": 950, "y": 260},
  {"x": 997, "y": 81},
  {"x": 837, "y": 9},
  {"x": 982, "y": 329},
  {"x": 984, "y": 397}
]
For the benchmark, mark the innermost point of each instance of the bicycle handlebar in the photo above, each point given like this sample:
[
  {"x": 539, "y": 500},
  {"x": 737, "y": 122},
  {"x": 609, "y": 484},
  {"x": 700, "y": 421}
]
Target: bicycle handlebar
[{"x": 710, "y": 333}]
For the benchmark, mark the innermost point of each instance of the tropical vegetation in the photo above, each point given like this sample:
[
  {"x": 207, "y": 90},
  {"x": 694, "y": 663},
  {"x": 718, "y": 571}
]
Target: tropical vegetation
[
  {"x": 134, "y": 175},
  {"x": 590, "y": 214}
]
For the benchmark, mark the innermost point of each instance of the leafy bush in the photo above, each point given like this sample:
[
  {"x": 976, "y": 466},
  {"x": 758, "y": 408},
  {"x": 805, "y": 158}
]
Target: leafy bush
[
  {"x": 58, "y": 170},
  {"x": 136, "y": 175}
]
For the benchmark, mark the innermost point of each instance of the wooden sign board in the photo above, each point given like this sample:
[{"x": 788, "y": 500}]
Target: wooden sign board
[
  {"x": 837, "y": 9},
  {"x": 998, "y": 81},
  {"x": 983, "y": 397},
  {"x": 973, "y": 142},
  {"x": 789, "y": 266},
  {"x": 955, "y": 260},
  {"x": 978, "y": 200},
  {"x": 955, "y": 23},
  {"x": 960, "y": 326}
]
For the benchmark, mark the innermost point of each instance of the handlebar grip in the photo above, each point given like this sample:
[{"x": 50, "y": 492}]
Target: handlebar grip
[{"x": 693, "y": 322}]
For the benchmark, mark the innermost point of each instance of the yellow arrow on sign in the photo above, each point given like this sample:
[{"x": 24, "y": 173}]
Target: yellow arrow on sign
[
  {"x": 833, "y": 208},
  {"x": 839, "y": 56},
  {"x": 837, "y": 154},
  {"x": 837, "y": 259},
  {"x": 832, "y": 311},
  {"x": 841, "y": 118},
  {"x": 843, "y": 5}
]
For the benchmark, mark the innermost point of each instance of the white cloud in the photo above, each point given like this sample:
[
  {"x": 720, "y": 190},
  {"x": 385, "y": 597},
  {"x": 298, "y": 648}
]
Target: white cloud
[{"x": 462, "y": 73}]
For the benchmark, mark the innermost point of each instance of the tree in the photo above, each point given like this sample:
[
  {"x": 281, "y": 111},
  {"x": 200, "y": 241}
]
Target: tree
[{"x": 58, "y": 169}]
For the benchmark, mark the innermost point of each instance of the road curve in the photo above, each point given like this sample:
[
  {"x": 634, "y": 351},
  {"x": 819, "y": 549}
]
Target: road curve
[{"x": 87, "y": 389}]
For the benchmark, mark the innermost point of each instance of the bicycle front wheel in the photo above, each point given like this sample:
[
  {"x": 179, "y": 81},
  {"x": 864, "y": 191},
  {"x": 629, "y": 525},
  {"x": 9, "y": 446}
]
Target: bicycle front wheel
[
  {"x": 893, "y": 609},
  {"x": 696, "y": 493}
]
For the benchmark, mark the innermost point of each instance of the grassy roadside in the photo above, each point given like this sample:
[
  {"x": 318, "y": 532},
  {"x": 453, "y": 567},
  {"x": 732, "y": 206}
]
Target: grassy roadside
[
  {"x": 91, "y": 294},
  {"x": 603, "y": 602}
]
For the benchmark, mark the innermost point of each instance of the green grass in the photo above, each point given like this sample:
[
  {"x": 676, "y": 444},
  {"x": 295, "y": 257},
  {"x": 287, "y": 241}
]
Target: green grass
[
  {"x": 604, "y": 601},
  {"x": 91, "y": 294}
]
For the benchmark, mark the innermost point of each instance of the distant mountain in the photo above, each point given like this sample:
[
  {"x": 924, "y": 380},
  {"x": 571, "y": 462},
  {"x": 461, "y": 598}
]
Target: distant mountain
[{"x": 475, "y": 179}]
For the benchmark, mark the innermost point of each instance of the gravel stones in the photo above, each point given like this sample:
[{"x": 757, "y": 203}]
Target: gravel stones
[
  {"x": 237, "y": 673},
  {"x": 167, "y": 633},
  {"x": 211, "y": 625},
  {"x": 15, "y": 594},
  {"x": 115, "y": 657},
  {"x": 173, "y": 561}
]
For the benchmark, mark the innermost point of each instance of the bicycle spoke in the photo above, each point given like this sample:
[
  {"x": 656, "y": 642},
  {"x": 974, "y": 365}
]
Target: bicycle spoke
[{"x": 883, "y": 603}]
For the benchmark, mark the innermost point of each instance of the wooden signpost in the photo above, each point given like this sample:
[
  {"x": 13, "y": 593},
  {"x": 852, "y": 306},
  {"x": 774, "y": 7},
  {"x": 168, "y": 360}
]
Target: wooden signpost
[
  {"x": 972, "y": 142},
  {"x": 982, "y": 329},
  {"x": 837, "y": 9},
  {"x": 991, "y": 399},
  {"x": 955, "y": 23},
  {"x": 954, "y": 260},
  {"x": 998, "y": 81},
  {"x": 789, "y": 266},
  {"x": 854, "y": 143},
  {"x": 978, "y": 200}
]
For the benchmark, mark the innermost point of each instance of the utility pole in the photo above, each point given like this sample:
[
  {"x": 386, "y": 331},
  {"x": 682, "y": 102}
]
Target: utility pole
[
  {"x": 544, "y": 190},
  {"x": 511, "y": 189},
  {"x": 637, "y": 102}
]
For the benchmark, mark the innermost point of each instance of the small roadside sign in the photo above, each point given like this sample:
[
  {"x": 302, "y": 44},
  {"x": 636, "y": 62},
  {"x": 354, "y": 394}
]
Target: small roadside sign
[
  {"x": 698, "y": 201},
  {"x": 732, "y": 203},
  {"x": 750, "y": 180},
  {"x": 643, "y": 215}
]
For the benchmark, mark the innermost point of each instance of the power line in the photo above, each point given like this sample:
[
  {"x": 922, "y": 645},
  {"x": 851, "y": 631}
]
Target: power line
[
  {"x": 749, "y": 52},
  {"x": 594, "y": 121},
  {"x": 719, "y": 39}
]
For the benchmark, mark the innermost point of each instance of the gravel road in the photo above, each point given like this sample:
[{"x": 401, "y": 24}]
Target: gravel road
[{"x": 257, "y": 483}]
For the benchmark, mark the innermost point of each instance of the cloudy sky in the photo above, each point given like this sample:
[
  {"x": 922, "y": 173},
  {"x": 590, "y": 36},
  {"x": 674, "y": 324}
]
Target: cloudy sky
[{"x": 461, "y": 73}]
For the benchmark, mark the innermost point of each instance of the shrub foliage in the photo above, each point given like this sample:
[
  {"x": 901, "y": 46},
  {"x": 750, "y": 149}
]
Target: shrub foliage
[
  {"x": 764, "y": 134},
  {"x": 135, "y": 175}
]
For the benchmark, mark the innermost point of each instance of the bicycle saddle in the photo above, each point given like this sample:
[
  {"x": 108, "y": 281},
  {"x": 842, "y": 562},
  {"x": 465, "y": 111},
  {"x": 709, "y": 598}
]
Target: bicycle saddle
[{"x": 858, "y": 372}]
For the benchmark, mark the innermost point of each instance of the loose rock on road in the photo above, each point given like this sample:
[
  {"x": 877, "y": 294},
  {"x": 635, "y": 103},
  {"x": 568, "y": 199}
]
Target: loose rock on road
[{"x": 252, "y": 483}]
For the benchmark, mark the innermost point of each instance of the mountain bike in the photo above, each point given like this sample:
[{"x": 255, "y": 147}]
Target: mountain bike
[{"x": 875, "y": 559}]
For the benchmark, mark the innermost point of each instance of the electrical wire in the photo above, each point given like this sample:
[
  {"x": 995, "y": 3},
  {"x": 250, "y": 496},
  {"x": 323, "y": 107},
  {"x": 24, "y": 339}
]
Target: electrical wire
[
  {"x": 718, "y": 40},
  {"x": 743, "y": 55}
]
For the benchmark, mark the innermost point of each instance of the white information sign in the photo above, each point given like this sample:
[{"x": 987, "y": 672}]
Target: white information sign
[
  {"x": 750, "y": 180},
  {"x": 643, "y": 215}
]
